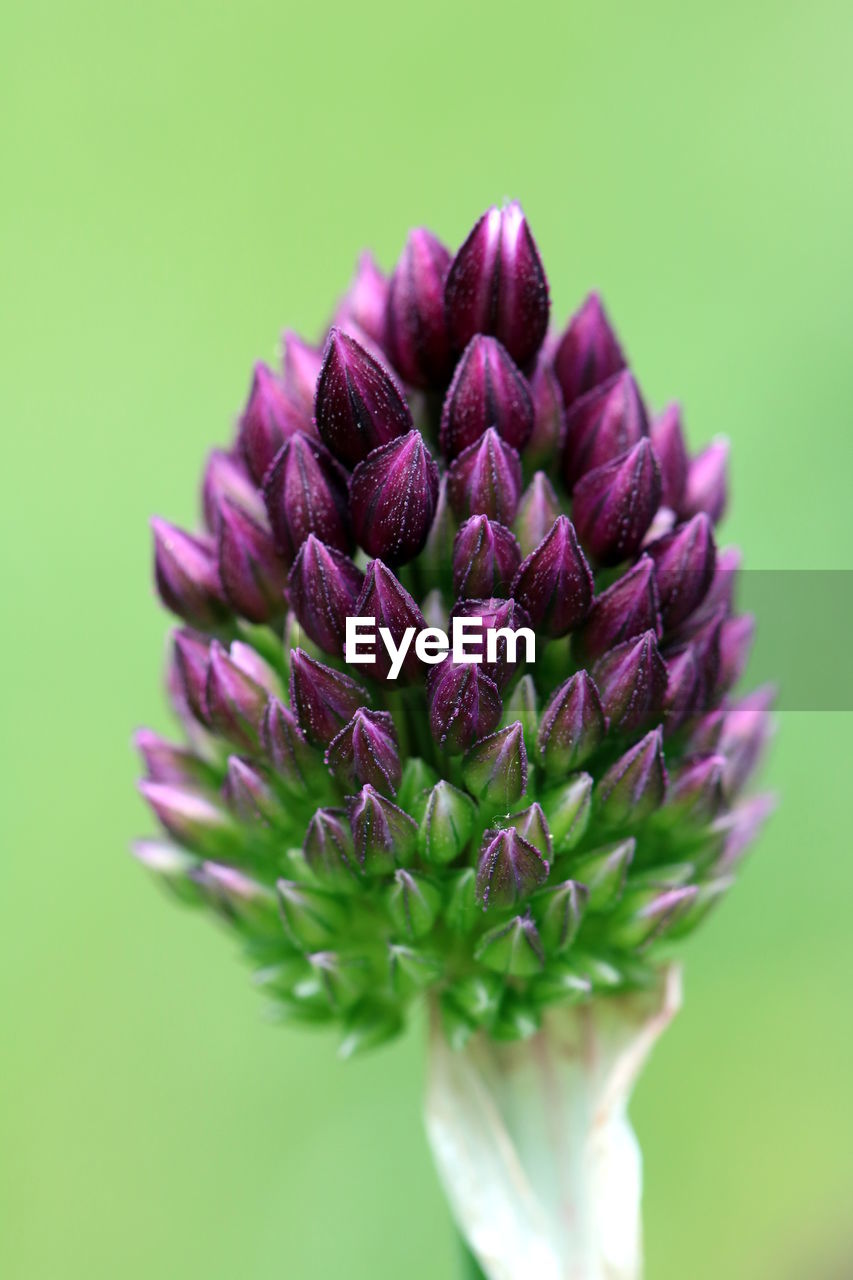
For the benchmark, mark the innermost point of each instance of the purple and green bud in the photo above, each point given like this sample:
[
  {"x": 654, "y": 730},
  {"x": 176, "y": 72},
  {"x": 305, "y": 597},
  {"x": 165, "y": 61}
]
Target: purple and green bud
[
  {"x": 602, "y": 425},
  {"x": 226, "y": 479},
  {"x": 559, "y": 912},
  {"x": 187, "y": 576},
  {"x": 252, "y": 574},
  {"x": 532, "y": 824},
  {"x": 635, "y": 786},
  {"x": 514, "y": 949},
  {"x": 328, "y": 847},
  {"x": 384, "y": 599},
  {"x": 464, "y": 705},
  {"x": 365, "y": 751},
  {"x": 270, "y": 418},
  {"x": 495, "y": 768},
  {"x": 684, "y": 563},
  {"x": 627, "y": 608},
  {"x": 323, "y": 699},
  {"x": 235, "y": 700},
  {"x": 509, "y": 869},
  {"x": 537, "y": 511},
  {"x": 604, "y": 872},
  {"x": 671, "y": 453},
  {"x": 383, "y": 834},
  {"x": 572, "y": 727},
  {"x": 567, "y": 808},
  {"x": 632, "y": 682}
]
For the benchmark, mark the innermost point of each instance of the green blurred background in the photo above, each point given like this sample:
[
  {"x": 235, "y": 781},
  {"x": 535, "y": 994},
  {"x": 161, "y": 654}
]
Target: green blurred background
[{"x": 179, "y": 183}]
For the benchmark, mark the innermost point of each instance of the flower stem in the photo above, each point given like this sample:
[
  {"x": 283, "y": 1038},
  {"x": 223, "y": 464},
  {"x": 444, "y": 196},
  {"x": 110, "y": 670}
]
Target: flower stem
[{"x": 470, "y": 1266}]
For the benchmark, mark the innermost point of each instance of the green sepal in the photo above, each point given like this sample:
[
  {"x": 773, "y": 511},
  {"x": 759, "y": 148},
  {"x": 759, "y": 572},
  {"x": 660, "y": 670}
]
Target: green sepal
[
  {"x": 413, "y": 904},
  {"x": 567, "y": 809}
]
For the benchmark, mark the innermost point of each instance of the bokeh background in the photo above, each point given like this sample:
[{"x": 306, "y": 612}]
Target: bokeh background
[{"x": 181, "y": 181}]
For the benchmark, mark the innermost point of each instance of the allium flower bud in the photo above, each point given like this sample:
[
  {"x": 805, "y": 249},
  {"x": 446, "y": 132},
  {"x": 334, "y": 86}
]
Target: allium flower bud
[
  {"x": 513, "y": 949},
  {"x": 322, "y": 588},
  {"x": 447, "y": 823},
  {"x": 746, "y": 731},
  {"x": 358, "y": 404},
  {"x": 302, "y": 365},
  {"x": 509, "y": 868},
  {"x": 328, "y": 846},
  {"x": 165, "y": 762},
  {"x": 629, "y": 607},
  {"x": 485, "y": 557},
  {"x": 537, "y": 511},
  {"x": 495, "y": 768},
  {"x": 684, "y": 563},
  {"x": 187, "y": 575},
  {"x": 650, "y": 913},
  {"x": 227, "y": 480},
  {"x": 324, "y": 699},
  {"x": 558, "y": 914},
  {"x": 464, "y": 704},
  {"x": 682, "y": 682},
  {"x": 554, "y": 583},
  {"x": 252, "y": 574},
  {"x": 604, "y": 871},
  {"x": 635, "y": 785},
  {"x": 286, "y": 747},
  {"x": 384, "y": 599},
  {"x": 613, "y": 505},
  {"x": 247, "y": 792},
  {"x": 736, "y": 636},
  {"x": 269, "y": 419},
  {"x": 706, "y": 489},
  {"x": 671, "y": 453},
  {"x": 497, "y": 285},
  {"x": 497, "y": 616},
  {"x": 191, "y": 662},
  {"x": 413, "y": 904},
  {"x": 312, "y": 918},
  {"x": 365, "y": 302},
  {"x": 532, "y": 824},
  {"x": 487, "y": 390},
  {"x": 383, "y": 834},
  {"x": 572, "y": 726},
  {"x": 549, "y": 416},
  {"x": 305, "y": 492},
  {"x": 588, "y": 353},
  {"x": 632, "y": 681},
  {"x": 235, "y": 700},
  {"x": 603, "y": 424},
  {"x": 705, "y": 645},
  {"x": 568, "y": 811},
  {"x": 192, "y": 817},
  {"x": 393, "y": 495},
  {"x": 417, "y": 338},
  {"x": 366, "y": 750},
  {"x": 486, "y": 480},
  {"x": 695, "y": 792},
  {"x": 172, "y": 866}
]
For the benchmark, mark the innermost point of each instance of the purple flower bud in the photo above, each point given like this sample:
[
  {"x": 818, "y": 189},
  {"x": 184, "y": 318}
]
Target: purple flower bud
[
  {"x": 554, "y": 583},
  {"x": 572, "y": 726},
  {"x": 322, "y": 698},
  {"x": 684, "y": 568},
  {"x": 635, "y": 785},
  {"x": 740, "y": 828},
  {"x": 613, "y": 505},
  {"x": 602, "y": 425},
  {"x": 393, "y": 495},
  {"x": 365, "y": 750},
  {"x": 464, "y": 704},
  {"x": 227, "y": 480},
  {"x": 328, "y": 846},
  {"x": 696, "y": 792},
  {"x": 417, "y": 337},
  {"x": 487, "y": 390},
  {"x": 707, "y": 488},
  {"x": 252, "y": 574},
  {"x": 720, "y": 595},
  {"x": 486, "y": 480},
  {"x": 495, "y": 615},
  {"x": 549, "y": 416},
  {"x": 235, "y": 701},
  {"x": 537, "y": 511},
  {"x": 485, "y": 558},
  {"x": 632, "y": 682},
  {"x": 495, "y": 768},
  {"x": 509, "y": 868},
  {"x": 704, "y": 736},
  {"x": 386, "y": 600},
  {"x": 682, "y": 679},
  {"x": 247, "y": 658},
  {"x": 651, "y": 914},
  {"x": 269, "y": 419},
  {"x": 187, "y": 576},
  {"x": 588, "y": 352},
  {"x": 746, "y": 731},
  {"x": 736, "y": 636},
  {"x": 172, "y": 866},
  {"x": 497, "y": 285},
  {"x": 192, "y": 817},
  {"x": 165, "y": 762},
  {"x": 305, "y": 492},
  {"x": 705, "y": 644},
  {"x": 192, "y": 662},
  {"x": 533, "y": 825},
  {"x": 322, "y": 588},
  {"x": 671, "y": 453},
  {"x": 302, "y": 364},
  {"x": 247, "y": 792},
  {"x": 286, "y": 747},
  {"x": 383, "y": 834},
  {"x": 365, "y": 302},
  {"x": 626, "y": 609},
  {"x": 358, "y": 405}
]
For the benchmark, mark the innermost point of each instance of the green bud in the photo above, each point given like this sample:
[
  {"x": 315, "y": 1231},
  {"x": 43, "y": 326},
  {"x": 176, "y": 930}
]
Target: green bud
[
  {"x": 367, "y": 1026},
  {"x": 477, "y": 996},
  {"x": 172, "y": 866},
  {"x": 463, "y": 910},
  {"x": 567, "y": 809},
  {"x": 532, "y": 824},
  {"x": 514, "y": 949},
  {"x": 646, "y": 914},
  {"x": 311, "y": 918},
  {"x": 413, "y": 904},
  {"x": 413, "y": 791},
  {"x": 495, "y": 768},
  {"x": 604, "y": 872},
  {"x": 523, "y": 706},
  {"x": 518, "y": 1019},
  {"x": 411, "y": 971},
  {"x": 458, "y": 1027},
  {"x": 599, "y": 972},
  {"x": 561, "y": 982},
  {"x": 558, "y": 915},
  {"x": 707, "y": 897},
  {"x": 343, "y": 980},
  {"x": 446, "y": 824}
]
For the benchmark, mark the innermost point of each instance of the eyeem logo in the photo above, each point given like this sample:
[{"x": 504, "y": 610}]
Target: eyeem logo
[{"x": 432, "y": 645}]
